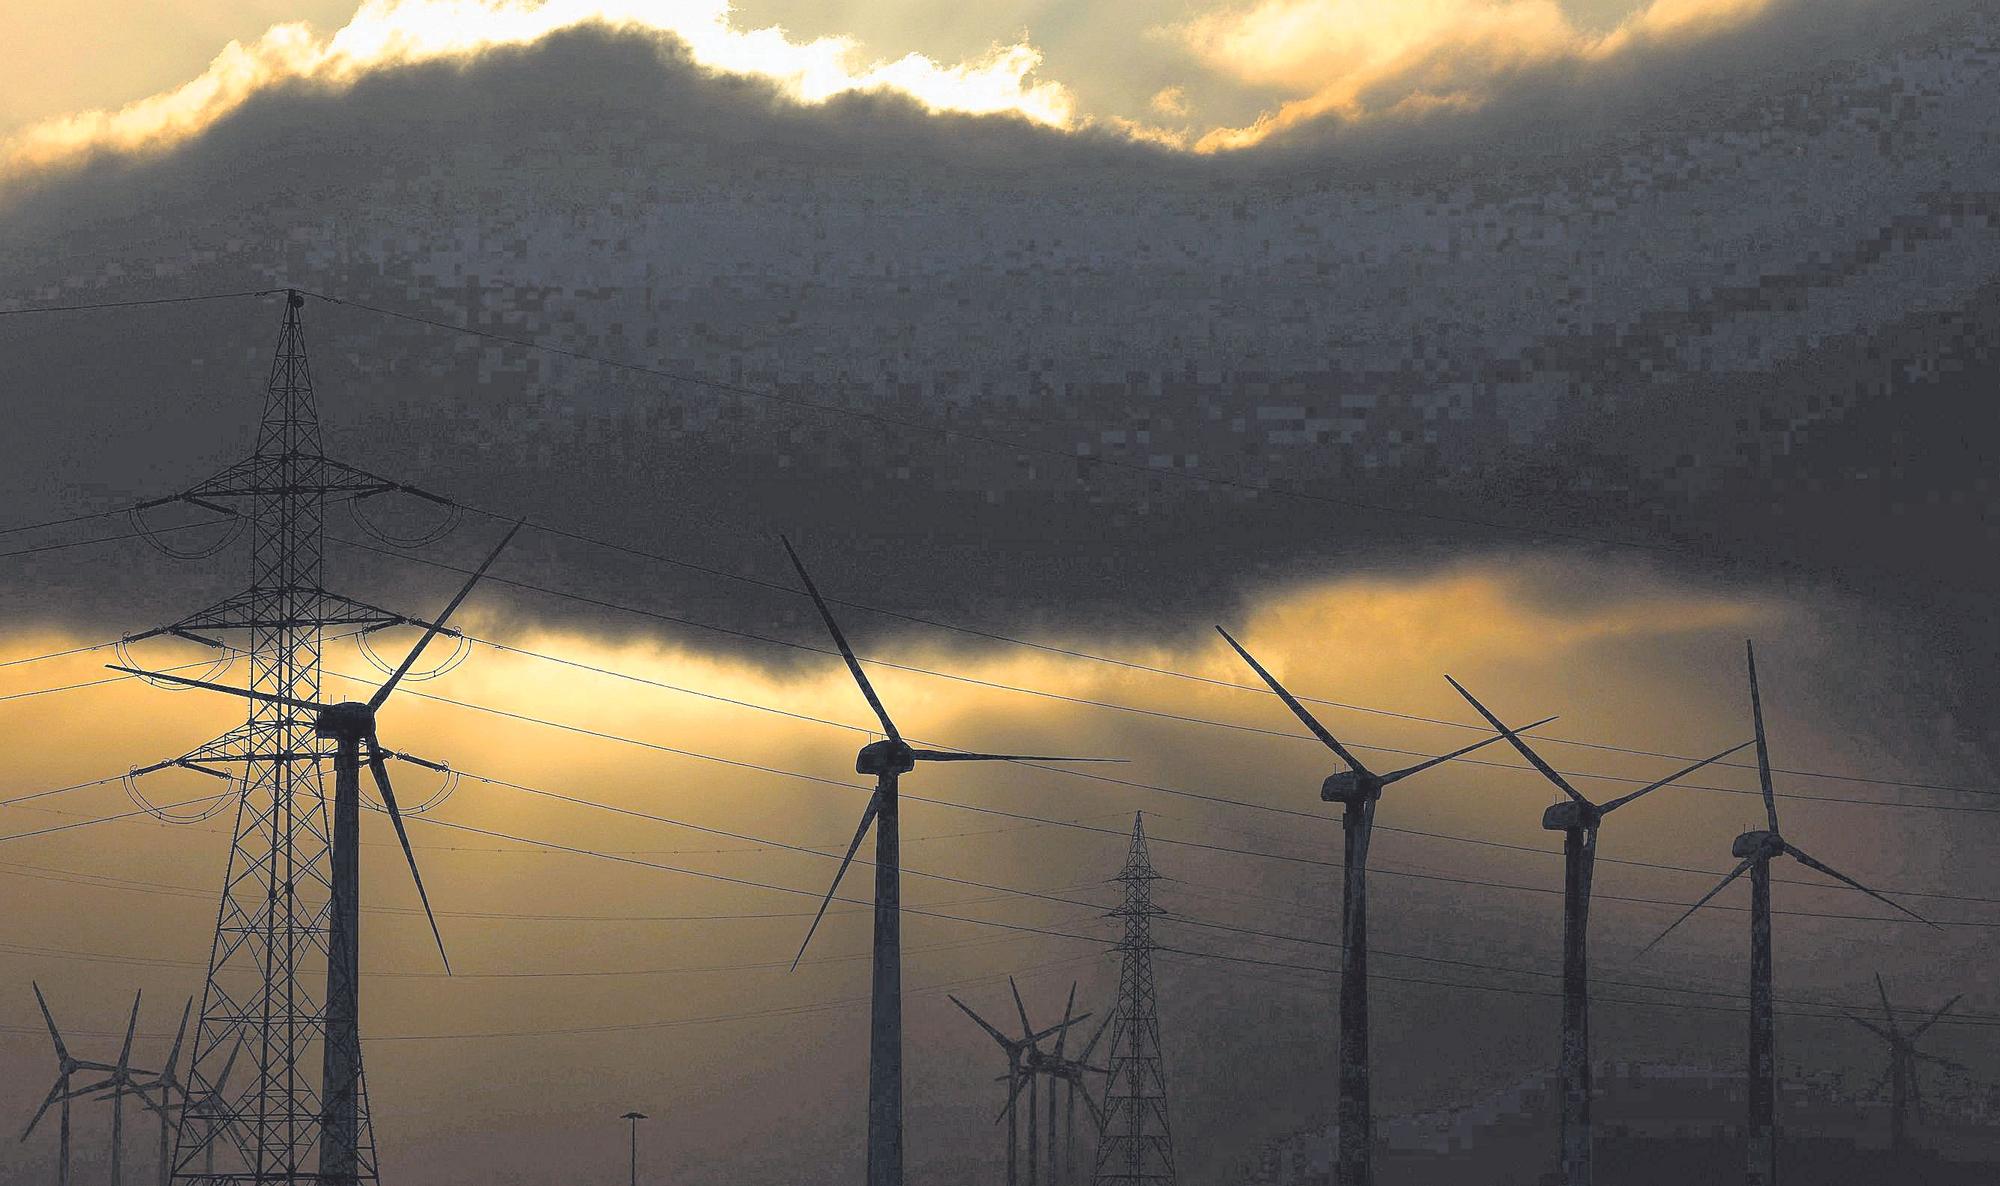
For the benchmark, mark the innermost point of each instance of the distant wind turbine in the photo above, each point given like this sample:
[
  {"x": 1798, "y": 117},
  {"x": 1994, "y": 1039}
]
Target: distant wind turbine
[
  {"x": 888, "y": 761},
  {"x": 1356, "y": 788},
  {"x": 1757, "y": 849},
  {"x": 62, "y": 1093},
  {"x": 1014, "y": 1048},
  {"x": 1577, "y": 818},
  {"x": 1901, "y": 1077}
]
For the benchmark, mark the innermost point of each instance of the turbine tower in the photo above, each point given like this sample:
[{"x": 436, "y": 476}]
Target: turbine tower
[
  {"x": 1357, "y": 789},
  {"x": 1136, "y": 1144},
  {"x": 1014, "y": 1048},
  {"x": 67, "y": 1065},
  {"x": 1578, "y": 819},
  {"x": 351, "y": 726},
  {"x": 1901, "y": 1077},
  {"x": 888, "y": 761},
  {"x": 1757, "y": 849}
]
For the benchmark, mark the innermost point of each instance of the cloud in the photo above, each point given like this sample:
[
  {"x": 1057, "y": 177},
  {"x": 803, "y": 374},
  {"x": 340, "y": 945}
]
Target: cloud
[
  {"x": 386, "y": 33},
  {"x": 1354, "y": 58}
]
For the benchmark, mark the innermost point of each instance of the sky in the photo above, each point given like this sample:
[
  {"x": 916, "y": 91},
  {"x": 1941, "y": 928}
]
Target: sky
[{"x": 1558, "y": 349}]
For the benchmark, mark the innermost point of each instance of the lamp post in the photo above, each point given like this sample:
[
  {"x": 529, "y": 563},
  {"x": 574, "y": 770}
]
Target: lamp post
[{"x": 635, "y": 1118}]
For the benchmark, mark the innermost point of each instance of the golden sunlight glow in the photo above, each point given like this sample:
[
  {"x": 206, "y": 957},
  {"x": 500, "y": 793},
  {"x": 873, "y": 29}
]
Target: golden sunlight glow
[
  {"x": 1360, "y": 57},
  {"x": 393, "y": 32}
]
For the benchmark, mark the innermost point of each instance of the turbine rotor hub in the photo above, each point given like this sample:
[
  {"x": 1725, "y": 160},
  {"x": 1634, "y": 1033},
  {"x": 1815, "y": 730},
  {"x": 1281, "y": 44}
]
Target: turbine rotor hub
[
  {"x": 888, "y": 756},
  {"x": 347, "y": 721}
]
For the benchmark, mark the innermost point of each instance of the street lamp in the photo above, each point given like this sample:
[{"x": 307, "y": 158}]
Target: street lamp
[{"x": 635, "y": 1118}]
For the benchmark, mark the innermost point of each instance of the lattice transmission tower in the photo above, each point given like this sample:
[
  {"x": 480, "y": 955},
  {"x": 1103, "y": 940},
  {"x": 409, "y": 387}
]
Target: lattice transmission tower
[
  {"x": 1137, "y": 1144},
  {"x": 260, "y": 1056}
]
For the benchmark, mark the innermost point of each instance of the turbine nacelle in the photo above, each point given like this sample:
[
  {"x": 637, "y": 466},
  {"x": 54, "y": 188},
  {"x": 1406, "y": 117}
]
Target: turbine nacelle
[
  {"x": 1759, "y": 843},
  {"x": 1350, "y": 786},
  {"x": 888, "y": 756},
  {"x": 1572, "y": 813},
  {"x": 350, "y": 720}
]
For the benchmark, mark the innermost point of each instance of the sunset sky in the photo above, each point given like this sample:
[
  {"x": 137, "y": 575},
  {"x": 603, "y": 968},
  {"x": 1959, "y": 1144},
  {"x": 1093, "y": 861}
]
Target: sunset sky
[{"x": 1558, "y": 347}]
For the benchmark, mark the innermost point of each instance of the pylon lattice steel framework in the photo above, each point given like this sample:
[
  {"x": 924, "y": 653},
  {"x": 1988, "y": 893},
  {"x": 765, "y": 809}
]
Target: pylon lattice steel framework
[
  {"x": 271, "y": 928},
  {"x": 1137, "y": 1144}
]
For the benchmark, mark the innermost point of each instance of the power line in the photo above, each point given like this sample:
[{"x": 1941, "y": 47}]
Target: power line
[
  {"x": 140, "y": 303},
  {"x": 1180, "y": 718},
  {"x": 1133, "y": 665}
]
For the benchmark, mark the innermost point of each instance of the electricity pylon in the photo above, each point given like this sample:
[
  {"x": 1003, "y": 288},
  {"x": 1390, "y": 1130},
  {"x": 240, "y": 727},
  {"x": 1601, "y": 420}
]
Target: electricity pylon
[
  {"x": 1136, "y": 1145},
  {"x": 271, "y": 936},
  {"x": 1901, "y": 1077},
  {"x": 1758, "y": 848},
  {"x": 888, "y": 760},
  {"x": 351, "y": 726},
  {"x": 1578, "y": 819}
]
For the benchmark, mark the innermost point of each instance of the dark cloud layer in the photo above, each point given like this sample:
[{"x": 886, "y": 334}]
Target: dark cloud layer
[{"x": 1488, "y": 316}]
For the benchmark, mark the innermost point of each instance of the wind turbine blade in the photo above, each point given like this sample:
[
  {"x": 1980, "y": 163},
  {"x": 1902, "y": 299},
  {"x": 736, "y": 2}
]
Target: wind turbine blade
[
  {"x": 1735, "y": 873},
  {"x": 1810, "y": 862},
  {"x": 1534, "y": 759},
  {"x": 1870, "y": 1026},
  {"x": 1935, "y": 1017},
  {"x": 1298, "y": 710},
  {"x": 174, "y": 1054},
  {"x": 1460, "y": 752},
  {"x": 1091, "y": 1045},
  {"x": 131, "y": 1028},
  {"x": 1027, "y": 1027},
  {"x": 55, "y": 1094},
  {"x": 380, "y": 768},
  {"x": 246, "y": 693},
  {"x": 840, "y": 640},
  {"x": 997, "y": 1036},
  {"x": 1888, "y": 1013},
  {"x": 1948, "y": 1064},
  {"x": 1096, "y": 1110},
  {"x": 1060, "y": 1025},
  {"x": 1763, "y": 746},
  {"x": 410, "y": 660},
  {"x": 62, "y": 1052},
  {"x": 228, "y": 1065},
  {"x": 1676, "y": 776},
  {"x": 946, "y": 755},
  {"x": 1013, "y": 1093},
  {"x": 1062, "y": 1038},
  {"x": 867, "y": 817}
]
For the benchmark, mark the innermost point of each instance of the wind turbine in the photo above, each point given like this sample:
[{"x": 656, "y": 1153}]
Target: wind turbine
[
  {"x": 116, "y": 1087},
  {"x": 888, "y": 760},
  {"x": 211, "y": 1109},
  {"x": 1014, "y": 1049},
  {"x": 1577, "y": 818},
  {"x": 1070, "y": 1072},
  {"x": 60, "y": 1095},
  {"x": 1356, "y": 788},
  {"x": 1901, "y": 1077},
  {"x": 351, "y": 726},
  {"x": 1757, "y": 849},
  {"x": 168, "y": 1084}
]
